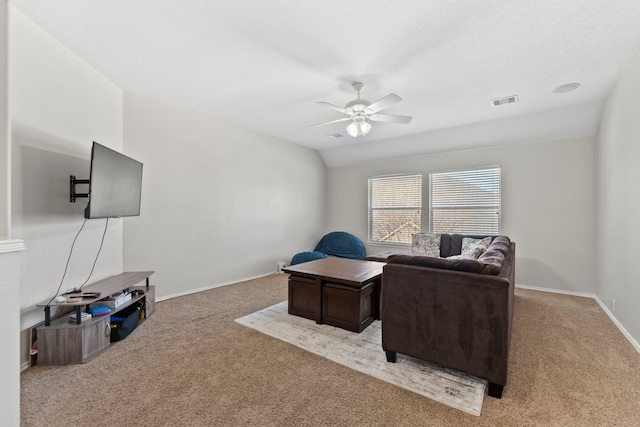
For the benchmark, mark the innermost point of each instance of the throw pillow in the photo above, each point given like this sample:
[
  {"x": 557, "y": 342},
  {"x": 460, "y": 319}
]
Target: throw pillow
[
  {"x": 471, "y": 253},
  {"x": 473, "y": 248},
  {"x": 425, "y": 244}
]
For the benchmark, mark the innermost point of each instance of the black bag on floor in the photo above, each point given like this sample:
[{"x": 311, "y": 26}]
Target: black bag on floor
[{"x": 124, "y": 322}]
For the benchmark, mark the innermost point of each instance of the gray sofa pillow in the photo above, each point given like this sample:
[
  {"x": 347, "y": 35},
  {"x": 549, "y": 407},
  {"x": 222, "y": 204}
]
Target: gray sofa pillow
[{"x": 427, "y": 244}]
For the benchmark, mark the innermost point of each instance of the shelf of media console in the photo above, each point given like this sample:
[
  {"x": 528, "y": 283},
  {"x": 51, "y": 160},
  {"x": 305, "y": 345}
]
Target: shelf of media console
[{"x": 102, "y": 289}]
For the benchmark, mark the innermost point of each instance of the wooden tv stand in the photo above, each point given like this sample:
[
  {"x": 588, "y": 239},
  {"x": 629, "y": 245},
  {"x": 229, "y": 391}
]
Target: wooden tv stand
[{"x": 62, "y": 342}]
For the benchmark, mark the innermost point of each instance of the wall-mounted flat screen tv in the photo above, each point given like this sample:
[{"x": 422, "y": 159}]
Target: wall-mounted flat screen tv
[{"x": 115, "y": 185}]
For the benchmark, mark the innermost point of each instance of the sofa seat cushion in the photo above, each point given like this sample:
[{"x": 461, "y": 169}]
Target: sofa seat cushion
[{"x": 464, "y": 264}]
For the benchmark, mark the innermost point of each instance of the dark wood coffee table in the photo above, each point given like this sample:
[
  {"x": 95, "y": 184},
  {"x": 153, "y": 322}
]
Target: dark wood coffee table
[{"x": 337, "y": 291}]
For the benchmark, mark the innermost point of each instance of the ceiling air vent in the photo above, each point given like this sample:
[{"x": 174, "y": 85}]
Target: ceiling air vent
[
  {"x": 335, "y": 135},
  {"x": 506, "y": 100}
]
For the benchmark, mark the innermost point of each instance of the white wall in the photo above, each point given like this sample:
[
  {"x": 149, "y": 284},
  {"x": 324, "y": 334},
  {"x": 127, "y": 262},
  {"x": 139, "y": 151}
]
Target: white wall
[
  {"x": 9, "y": 256},
  {"x": 619, "y": 201},
  {"x": 4, "y": 123},
  {"x": 219, "y": 203},
  {"x": 9, "y": 333},
  {"x": 563, "y": 123},
  {"x": 58, "y": 106},
  {"x": 548, "y": 204}
]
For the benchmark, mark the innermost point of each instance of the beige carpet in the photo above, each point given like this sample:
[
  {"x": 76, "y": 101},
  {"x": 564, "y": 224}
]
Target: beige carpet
[
  {"x": 191, "y": 364},
  {"x": 363, "y": 352}
]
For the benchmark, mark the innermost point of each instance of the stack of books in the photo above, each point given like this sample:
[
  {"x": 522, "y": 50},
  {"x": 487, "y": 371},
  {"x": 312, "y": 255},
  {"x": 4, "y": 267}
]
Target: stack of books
[
  {"x": 99, "y": 310},
  {"x": 83, "y": 317},
  {"x": 115, "y": 300}
]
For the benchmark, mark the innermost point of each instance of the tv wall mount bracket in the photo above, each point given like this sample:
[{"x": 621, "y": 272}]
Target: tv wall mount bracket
[{"x": 72, "y": 188}]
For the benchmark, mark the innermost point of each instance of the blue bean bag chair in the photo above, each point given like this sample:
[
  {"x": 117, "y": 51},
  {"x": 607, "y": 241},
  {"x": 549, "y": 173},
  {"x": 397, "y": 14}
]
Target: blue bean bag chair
[
  {"x": 301, "y": 257},
  {"x": 338, "y": 244}
]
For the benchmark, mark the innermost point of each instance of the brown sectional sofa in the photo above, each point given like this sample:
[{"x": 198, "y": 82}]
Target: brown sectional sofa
[{"x": 456, "y": 313}]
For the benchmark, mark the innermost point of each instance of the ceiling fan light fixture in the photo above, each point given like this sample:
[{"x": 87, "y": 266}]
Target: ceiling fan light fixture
[
  {"x": 360, "y": 111},
  {"x": 358, "y": 127}
]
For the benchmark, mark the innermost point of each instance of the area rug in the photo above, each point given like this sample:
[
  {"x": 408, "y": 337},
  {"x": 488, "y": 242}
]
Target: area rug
[{"x": 363, "y": 352}]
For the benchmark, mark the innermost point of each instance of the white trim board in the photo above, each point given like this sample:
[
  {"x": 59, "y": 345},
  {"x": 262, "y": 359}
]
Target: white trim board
[
  {"x": 633, "y": 342},
  {"x": 218, "y": 285},
  {"x": 8, "y": 246}
]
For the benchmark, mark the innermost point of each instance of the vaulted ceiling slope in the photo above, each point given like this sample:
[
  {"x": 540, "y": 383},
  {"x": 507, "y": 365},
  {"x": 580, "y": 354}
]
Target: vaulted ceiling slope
[{"x": 263, "y": 65}]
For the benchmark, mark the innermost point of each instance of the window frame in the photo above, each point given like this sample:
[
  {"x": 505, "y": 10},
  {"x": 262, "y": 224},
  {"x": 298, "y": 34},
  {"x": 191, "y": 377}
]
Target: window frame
[
  {"x": 482, "y": 230},
  {"x": 371, "y": 209}
]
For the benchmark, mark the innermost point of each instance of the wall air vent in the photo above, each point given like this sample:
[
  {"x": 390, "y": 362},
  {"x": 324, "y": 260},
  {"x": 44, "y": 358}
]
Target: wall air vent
[
  {"x": 506, "y": 100},
  {"x": 335, "y": 135}
]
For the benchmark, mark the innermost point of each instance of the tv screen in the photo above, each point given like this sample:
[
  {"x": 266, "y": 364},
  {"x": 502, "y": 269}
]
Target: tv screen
[{"x": 115, "y": 185}]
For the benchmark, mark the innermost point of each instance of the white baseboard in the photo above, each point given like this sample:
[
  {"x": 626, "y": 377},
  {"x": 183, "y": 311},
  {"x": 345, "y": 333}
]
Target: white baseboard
[
  {"x": 633, "y": 342},
  {"x": 556, "y": 291},
  {"x": 218, "y": 285},
  {"x": 615, "y": 321}
]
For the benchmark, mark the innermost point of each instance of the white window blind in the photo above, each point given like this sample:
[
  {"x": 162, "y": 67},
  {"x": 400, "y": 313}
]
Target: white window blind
[
  {"x": 395, "y": 208},
  {"x": 465, "y": 202}
]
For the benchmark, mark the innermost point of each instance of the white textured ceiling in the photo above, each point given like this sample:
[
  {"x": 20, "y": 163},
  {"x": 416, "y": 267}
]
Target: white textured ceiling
[{"x": 264, "y": 64}]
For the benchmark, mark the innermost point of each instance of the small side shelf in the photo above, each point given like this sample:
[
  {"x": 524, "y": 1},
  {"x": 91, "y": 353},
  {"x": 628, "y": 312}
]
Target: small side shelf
[{"x": 63, "y": 342}]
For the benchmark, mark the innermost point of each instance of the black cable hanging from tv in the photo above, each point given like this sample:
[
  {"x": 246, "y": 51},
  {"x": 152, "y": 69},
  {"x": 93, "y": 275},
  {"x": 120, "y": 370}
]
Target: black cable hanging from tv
[{"x": 104, "y": 233}]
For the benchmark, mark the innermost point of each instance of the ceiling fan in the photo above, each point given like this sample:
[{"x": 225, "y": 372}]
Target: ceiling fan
[{"x": 360, "y": 110}]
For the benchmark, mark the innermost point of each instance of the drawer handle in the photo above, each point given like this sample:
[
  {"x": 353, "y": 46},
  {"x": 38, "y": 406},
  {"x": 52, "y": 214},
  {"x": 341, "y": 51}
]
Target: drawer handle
[{"x": 107, "y": 330}]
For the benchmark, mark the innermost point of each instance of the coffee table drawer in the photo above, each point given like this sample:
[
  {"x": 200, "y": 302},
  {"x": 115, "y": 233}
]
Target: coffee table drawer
[
  {"x": 348, "y": 307},
  {"x": 304, "y": 297}
]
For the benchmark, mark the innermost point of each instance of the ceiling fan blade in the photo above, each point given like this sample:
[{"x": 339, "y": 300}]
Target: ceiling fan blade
[
  {"x": 383, "y": 103},
  {"x": 335, "y": 107},
  {"x": 344, "y": 119},
  {"x": 389, "y": 118}
]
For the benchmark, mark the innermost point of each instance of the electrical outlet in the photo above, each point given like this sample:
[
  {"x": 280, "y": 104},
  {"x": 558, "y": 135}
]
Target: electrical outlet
[{"x": 613, "y": 303}]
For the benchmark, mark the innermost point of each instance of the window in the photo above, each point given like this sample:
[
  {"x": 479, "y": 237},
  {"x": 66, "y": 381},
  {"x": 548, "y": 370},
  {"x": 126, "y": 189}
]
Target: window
[
  {"x": 465, "y": 202},
  {"x": 395, "y": 208}
]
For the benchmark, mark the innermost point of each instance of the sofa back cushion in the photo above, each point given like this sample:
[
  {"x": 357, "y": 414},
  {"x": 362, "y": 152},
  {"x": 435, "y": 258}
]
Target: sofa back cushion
[
  {"x": 493, "y": 258},
  {"x": 451, "y": 244},
  {"x": 490, "y": 262},
  {"x": 458, "y": 264},
  {"x": 501, "y": 243}
]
